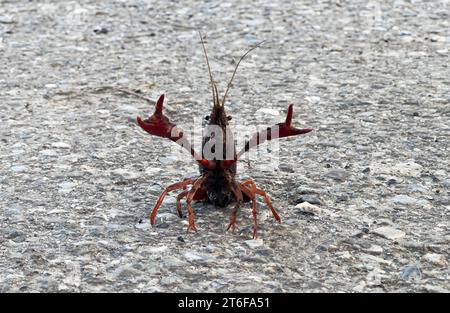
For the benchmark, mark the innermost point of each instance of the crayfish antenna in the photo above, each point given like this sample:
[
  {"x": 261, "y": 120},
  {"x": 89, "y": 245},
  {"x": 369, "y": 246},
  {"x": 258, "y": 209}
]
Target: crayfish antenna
[
  {"x": 235, "y": 70},
  {"x": 213, "y": 85}
]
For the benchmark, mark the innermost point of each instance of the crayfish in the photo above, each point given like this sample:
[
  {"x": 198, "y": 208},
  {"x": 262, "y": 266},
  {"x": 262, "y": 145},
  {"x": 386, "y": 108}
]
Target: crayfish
[{"x": 216, "y": 183}]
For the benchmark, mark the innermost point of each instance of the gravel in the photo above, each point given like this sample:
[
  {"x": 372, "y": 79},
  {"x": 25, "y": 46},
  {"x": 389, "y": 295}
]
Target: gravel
[{"x": 78, "y": 178}]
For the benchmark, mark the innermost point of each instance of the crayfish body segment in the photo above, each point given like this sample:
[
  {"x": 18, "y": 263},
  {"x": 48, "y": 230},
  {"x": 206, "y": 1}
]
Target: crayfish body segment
[{"x": 216, "y": 183}]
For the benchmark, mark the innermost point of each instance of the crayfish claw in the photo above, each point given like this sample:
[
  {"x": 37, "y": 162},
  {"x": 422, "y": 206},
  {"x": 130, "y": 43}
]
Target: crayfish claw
[{"x": 159, "y": 105}]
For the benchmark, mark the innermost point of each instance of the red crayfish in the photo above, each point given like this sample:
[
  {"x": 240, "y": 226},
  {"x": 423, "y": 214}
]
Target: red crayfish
[{"x": 216, "y": 183}]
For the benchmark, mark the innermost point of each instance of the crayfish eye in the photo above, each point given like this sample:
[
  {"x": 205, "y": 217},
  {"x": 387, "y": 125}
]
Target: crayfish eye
[
  {"x": 207, "y": 117},
  {"x": 229, "y": 118}
]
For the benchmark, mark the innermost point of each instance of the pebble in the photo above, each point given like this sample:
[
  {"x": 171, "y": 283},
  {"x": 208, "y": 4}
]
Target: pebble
[
  {"x": 306, "y": 207},
  {"x": 411, "y": 272},
  {"x": 404, "y": 169},
  {"x": 143, "y": 224},
  {"x": 17, "y": 236},
  {"x": 268, "y": 111},
  {"x": 158, "y": 250},
  {"x": 193, "y": 257},
  {"x": 404, "y": 200},
  {"x": 168, "y": 159},
  {"x": 66, "y": 186},
  {"x": 61, "y": 145},
  {"x": 436, "y": 259},
  {"x": 126, "y": 174},
  {"x": 100, "y": 30},
  {"x": 48, "y": 152},
  {"x": 254, "y": 243},
  {"x": 446, "y": 183},
  {"x": 169, "y": 280},
  {"x": 360, "y": 286},
  {"x": 313, "y": 99},
  {"x": 129, "y": 109},
  {"x": 312, "y": 199},
  {"x": 373, "y": 249},
  {"x": 389, "y": 233},
  {"x": 413, "y": 245},
  {"x": 125, "y": 272},
  {"x": 339, "y": 175},
  {"x": 173, "y": 261},
  {"x": 185, "y": 89},
  {"x": 19, "y": 168}
]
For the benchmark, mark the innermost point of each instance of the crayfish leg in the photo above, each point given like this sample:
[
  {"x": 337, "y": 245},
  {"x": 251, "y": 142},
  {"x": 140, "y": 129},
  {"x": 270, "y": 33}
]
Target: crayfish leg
[
  {"x": 179, "y": 197},
  {"x": 180, "y": 185},
  {"x": 190, "y": 197},
  {"x": 250, "y": 193},
  {"x": 269, "y": 203},
  {"x": 199, "y": 195},
  {"x": 262, "y": 193},
  {"x": 239, "y": 197}
]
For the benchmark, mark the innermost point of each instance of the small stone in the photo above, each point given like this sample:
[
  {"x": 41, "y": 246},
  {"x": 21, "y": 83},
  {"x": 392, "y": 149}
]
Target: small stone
[
  {"x": 169, "y": 280},
  {"x": 312, "y": 199},
  {"x": 66, "y": 186},
  {"x": 308, "y": 208},
  {"x": 360, "y": 286},
  {"x": 446, "y": 183},
  {"x": 371, "y": 259},
  {"x": 143, "y": 224},
  {"x": 342, "y": 197},
  {"x": 100, "y": 30},
  {"x": 157, "y": 250},
  {"x": 411, "y": 272},
  {"x": 168, "y": 159},
  {"x": 180, "y": 238},
  {"x": 416, "y": 188},
  {"x": 373, "y": 249},
  {"x": 407, "y": 169},
  {"x": 162, "y": 225},
  {"x": 125, "y": 174},
  {"x": 254, "y": 243},
  {"x": 312, "y": 99},
  {"x": 19, "y": 168},
  {"x": 185, "y": 89},
  {"x": 339, "y": 175},
  {"x": 404, "y": 199},
  {"x": 61, "y": 145},
  {"x": 16, "y": 236},
  {"x": 436, "y": 259},
  {"x": 268, "y": 111},
  {"x": 389, "y": 233},
  {"x": 193, "y": 257},
  {"x": 48, "y": 152},
  {"x": 173, "y": 261},
  {"x": 413, "y": 245},
  {"x": 125, "y": 272},
  {"x": 336, "y": 48},
  {"x": 128, "y": 109},
  {"x": 391, "y": 182}
]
